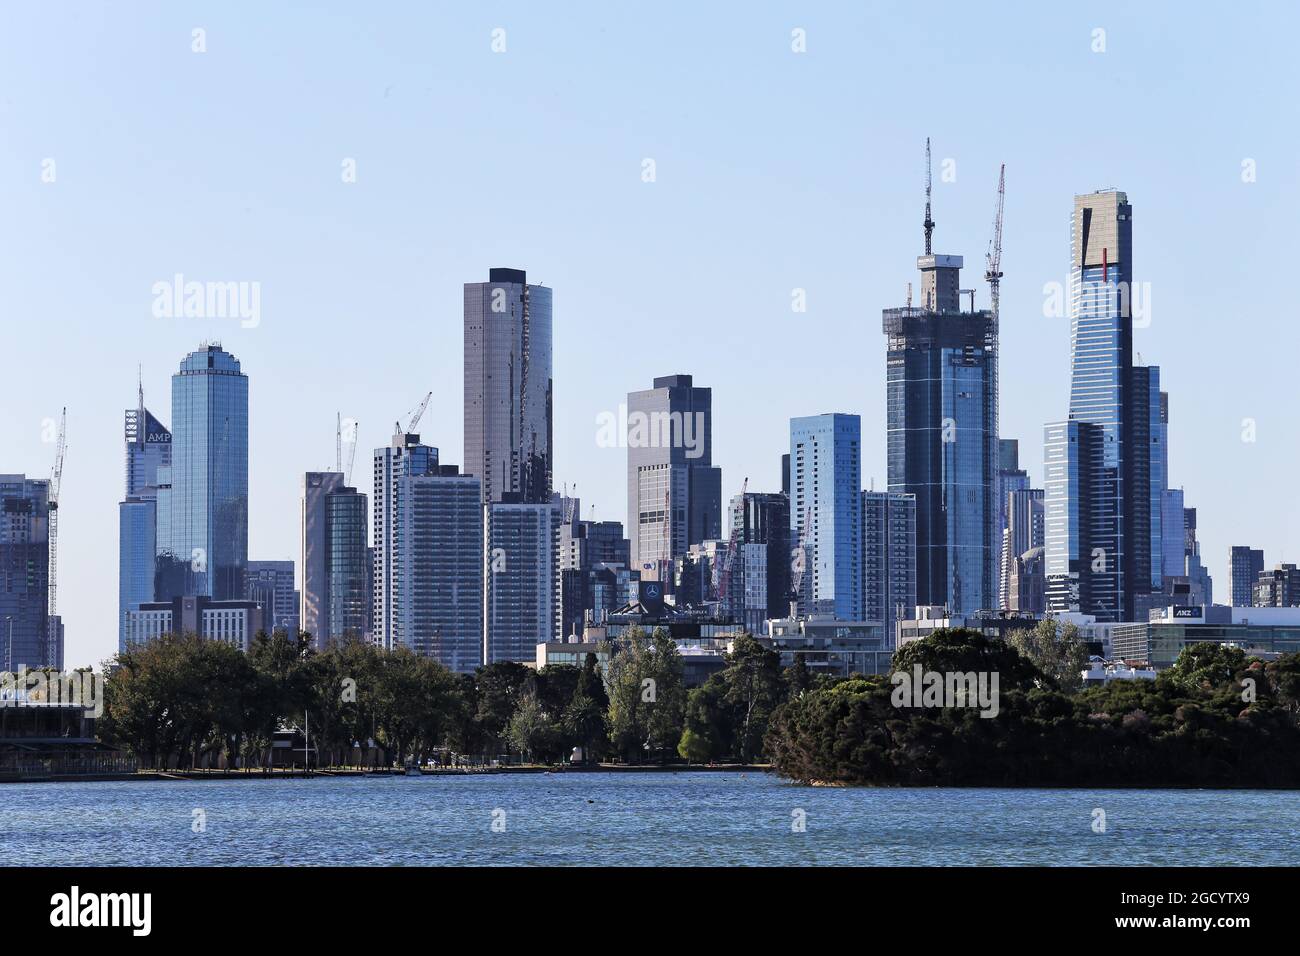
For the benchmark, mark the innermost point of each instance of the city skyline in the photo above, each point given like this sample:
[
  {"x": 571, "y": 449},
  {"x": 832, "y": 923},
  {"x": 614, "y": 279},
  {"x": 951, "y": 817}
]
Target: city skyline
[{"x": 295, "y": 391}]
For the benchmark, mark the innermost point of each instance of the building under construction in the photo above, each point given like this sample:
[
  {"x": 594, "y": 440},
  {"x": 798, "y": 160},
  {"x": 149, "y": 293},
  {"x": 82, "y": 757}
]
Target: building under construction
[{"x": 942, "y": 409}]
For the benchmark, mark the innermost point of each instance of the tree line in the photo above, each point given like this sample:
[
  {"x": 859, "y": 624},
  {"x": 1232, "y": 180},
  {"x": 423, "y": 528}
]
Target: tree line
[{"x": 180, "y": 700}]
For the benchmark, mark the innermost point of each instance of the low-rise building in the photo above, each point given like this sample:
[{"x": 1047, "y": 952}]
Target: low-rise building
[
  {"x": 1259, "y": 631},
  {"x": 235, "y": 622}
]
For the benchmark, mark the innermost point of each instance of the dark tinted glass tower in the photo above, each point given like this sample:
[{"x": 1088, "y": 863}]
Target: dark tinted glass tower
[
  {"x": 942, "y": 401},
  {"x": 508, "y": 386}
]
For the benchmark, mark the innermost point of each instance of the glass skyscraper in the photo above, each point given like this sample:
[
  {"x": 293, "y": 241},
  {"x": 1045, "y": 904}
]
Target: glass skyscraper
[
  {"x": 508, "y": 386},
  {"x": 826, "y": 513},
  {"x": 203, "y": 497},
  {"x": 403, "y": 457},
  {"x": 942, "y": 428},
  {"x": 148, "y": 453},
  {"x": 1105, "y": 467},
  {"x": 25, "y": 572}
]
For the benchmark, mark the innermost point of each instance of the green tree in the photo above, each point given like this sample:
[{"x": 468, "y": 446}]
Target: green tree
[
  {"x": 752, "y": 679},
  {"x": 1055, "y": 649}
]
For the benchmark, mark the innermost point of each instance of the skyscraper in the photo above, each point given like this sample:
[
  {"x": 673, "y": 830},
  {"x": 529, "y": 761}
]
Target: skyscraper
[
  {"x": 826, "y": 513},
  {"x": 1023, "y": 533},
  {"x": 335, "y": 559},
  {"x": 403, "y": 457},
  {"x": 942, "y": 408},
  {"x": 148, "y": 450},
  {"x": 519, "y": 582},
  {"x": 674, "y": 494},
  {"x": 888, "y": 559},
  {"x": 437, "y": 568},
  {"x": 760, "y": 572},
  {"x": 508, "y": 386},
  {"x": 1245, "y": 564},
  {"x": 24, "y": 572},
  {"x": 1102, "y": 472},
  {"x": 203, "y": 497}
]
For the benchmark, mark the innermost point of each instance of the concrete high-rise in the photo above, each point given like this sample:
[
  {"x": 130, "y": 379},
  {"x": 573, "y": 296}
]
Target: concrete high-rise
[
  {"x": 759, "y": 578},
  {"x": 437, "y": 568},
  {"x": 674, "y": 494},
  {"x": 403, "y": 457},
  {"x": 148, "y": 447},
  {"x": 888, "y": 559},
  {"x": 24, "y": 573},
  {"x": 508, "y": 386},
  {"x": 826, "y": 513},
  {"x": 202, "y": 524},
  {"x": 1245, "y": 565},
  {"x": 942, "y": 428},
  {"x": 1103, "y": 466},
  {"x": 1023, "y": 533},
  {"x": 519, "y": 580}
]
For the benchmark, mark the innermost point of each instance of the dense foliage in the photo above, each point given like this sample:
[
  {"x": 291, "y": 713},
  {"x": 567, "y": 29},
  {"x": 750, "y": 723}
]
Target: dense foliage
[
  {"x": 1217, "y": 718},
  {"x": 183, "y": 702}
]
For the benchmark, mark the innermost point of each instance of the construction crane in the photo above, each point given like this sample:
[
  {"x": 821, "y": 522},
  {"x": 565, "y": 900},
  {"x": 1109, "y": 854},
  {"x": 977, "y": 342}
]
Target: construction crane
[
  {"x": 56, "y": 481},
  {"x": 416, "y": 414},
  {"x": 733, "y": 545},
  {"x": 799, "y": 565},
  {"x": 993, "y": 259},
  {"x": 928, "y": 225}
]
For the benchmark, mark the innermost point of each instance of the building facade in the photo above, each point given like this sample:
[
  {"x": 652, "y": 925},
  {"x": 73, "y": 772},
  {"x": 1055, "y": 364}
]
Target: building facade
[
  {"x": 335, "y": 559},
  {"x": 826, "y": 514},
  {"x": 270, "y": 585},
  {"x": 508, "y": 387},
  {"x": 519, "y": 578},
  {"x": 1104, "y": 466},
  {"x": 404, "y": 457},
  {"x": 942, "y": 437},
  {"x": 888, "y": 558},
  {"x": 25, "y": 573},
  {"x": 674, "y": 494},
  {"x": 202, "y": 522},
  {"x": 1245, "y": 565}
]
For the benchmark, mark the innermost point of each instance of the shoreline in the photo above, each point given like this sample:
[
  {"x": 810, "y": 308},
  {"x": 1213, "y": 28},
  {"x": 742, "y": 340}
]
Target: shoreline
[{"x": 328, "y": 773}]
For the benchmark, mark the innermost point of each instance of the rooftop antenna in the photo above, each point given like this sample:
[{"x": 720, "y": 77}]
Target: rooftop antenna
[{"x": 929, "y": 223}]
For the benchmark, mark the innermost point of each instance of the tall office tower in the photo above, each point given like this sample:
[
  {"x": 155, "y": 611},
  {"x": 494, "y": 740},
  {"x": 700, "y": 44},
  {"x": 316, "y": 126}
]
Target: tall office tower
[
  {"x": 1173, "y": 545},
  {"x": 336, "y": 562},
  {"x": 1102, "y": 472},
  {"x": 942, "y": 400},
  {"x": 25, "y": 572},
  {"x": 1278, "y": 588},
  {"x": 437, "y": 562},
  {"x": 888, "y": 559},
  {"x": 403, "y": 457},
  {"x": 148, "y": 450},
  {"x": 826, "y": 513},
  {"x": 759, "y": 579},
  {"x": 1024, "y": 532},
  {"x": 674, "y": 494},
  {"x": 269, "y": 585},
  {"x": 508, "y": 386},
  {"x": 518, "y": 578},
  {"x": 1245, "y": 565},
  {"x": 203, "y": 497}
]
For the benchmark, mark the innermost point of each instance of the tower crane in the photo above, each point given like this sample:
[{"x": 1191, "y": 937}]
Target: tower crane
[
  {"x": 416, "y": 414},
  {"x": 56, "y": 481},
  {"x": 928, "y": 225},
  {"x": 993, "y": 259},
  {"x": 799, "y": 564}
]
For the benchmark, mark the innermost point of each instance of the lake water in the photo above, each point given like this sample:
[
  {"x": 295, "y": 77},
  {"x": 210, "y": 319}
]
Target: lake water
[{"x": 657, "y": 819}]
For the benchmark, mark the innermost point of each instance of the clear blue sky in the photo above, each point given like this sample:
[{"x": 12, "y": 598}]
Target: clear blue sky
[{"x": 775, "y": 171}]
